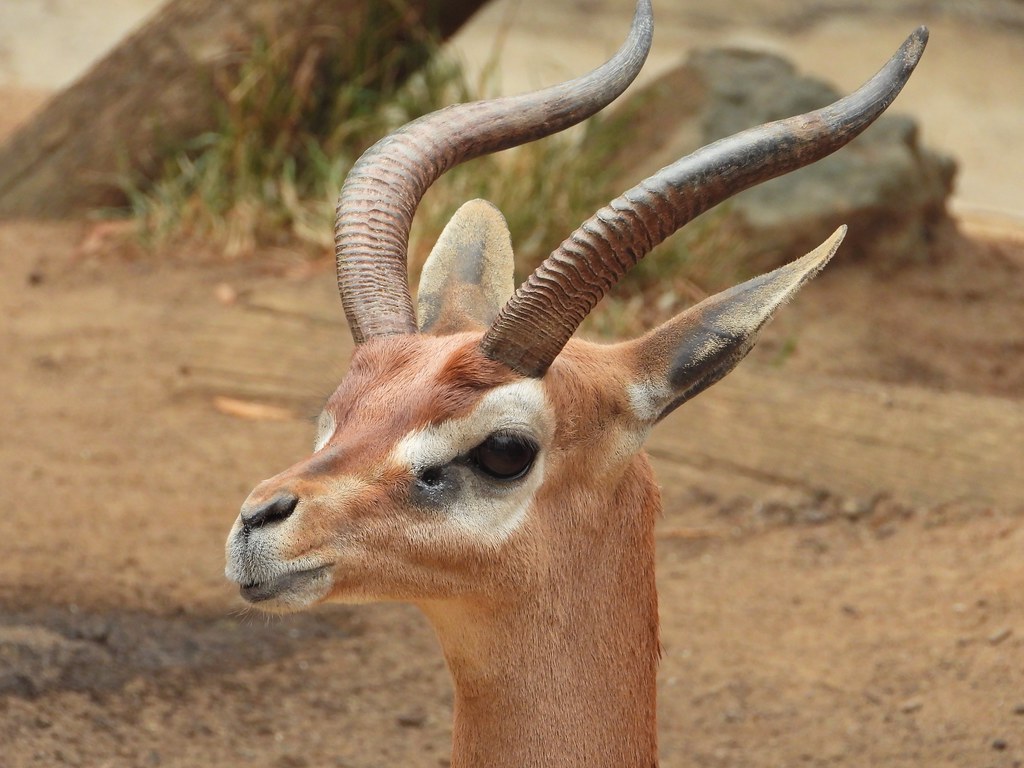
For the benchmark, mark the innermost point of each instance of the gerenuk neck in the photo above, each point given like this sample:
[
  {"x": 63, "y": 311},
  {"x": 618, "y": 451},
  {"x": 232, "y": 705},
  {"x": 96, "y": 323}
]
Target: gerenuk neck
[{"x": 565, "y": 676}]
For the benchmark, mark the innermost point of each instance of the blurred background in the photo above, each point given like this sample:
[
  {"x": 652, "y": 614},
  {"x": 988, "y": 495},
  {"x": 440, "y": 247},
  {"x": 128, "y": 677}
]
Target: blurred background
[{"x": 841, "y": 556}]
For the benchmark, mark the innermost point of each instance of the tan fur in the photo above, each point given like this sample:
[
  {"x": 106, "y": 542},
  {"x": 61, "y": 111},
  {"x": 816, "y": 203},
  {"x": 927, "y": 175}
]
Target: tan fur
[
  {"x": 557, "y": 625},
  {"x": 563, "y": 673}
]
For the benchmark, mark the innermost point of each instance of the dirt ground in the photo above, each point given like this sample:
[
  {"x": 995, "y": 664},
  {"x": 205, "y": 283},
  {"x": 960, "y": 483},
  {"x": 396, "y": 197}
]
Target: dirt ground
[{"x": 806, "y": 625}]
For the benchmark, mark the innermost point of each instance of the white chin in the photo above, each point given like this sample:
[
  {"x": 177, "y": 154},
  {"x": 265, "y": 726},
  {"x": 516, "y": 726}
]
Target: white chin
[{"x": 288, "y": 592}]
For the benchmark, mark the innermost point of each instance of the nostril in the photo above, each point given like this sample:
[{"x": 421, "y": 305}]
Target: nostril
[{"x": 278, "y": 508}]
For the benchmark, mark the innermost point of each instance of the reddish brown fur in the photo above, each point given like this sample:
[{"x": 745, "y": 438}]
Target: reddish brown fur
[
  {"x": 564, "y": 673},
  {"x": 579, "y": 650},
  {"x": 390, "y": 370},
  {"x": 551, "y": 635}
]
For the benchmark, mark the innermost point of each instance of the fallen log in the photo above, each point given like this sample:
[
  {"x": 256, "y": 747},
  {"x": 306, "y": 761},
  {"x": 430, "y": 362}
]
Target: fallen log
[{"x": 154, "y": 91}]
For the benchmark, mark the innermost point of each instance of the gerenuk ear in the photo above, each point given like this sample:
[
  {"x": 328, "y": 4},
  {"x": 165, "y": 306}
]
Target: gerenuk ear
[
  {"x": 468, "y": 276},
  {"x": 695, "y": 349}
]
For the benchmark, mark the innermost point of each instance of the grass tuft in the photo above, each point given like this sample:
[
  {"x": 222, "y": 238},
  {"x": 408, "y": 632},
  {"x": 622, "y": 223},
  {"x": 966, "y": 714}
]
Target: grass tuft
[{"x": 290, "y": 122}]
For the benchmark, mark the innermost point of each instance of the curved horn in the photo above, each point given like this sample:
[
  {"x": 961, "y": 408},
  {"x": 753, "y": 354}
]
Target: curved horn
[
  {"x": 380, "y": 195},
  {"x": 545, "y": 311}
]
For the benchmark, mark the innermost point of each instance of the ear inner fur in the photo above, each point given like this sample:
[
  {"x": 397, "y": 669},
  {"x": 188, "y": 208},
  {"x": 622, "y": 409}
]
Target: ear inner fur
[{"x": 468, "y": 276}]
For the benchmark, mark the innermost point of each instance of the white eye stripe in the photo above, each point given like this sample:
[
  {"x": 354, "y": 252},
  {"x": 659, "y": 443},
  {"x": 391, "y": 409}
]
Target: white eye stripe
[{"x": 520, "y": 406}]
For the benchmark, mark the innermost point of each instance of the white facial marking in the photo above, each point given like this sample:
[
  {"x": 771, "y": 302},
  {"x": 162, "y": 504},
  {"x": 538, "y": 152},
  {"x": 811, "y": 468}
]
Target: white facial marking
[
  {"x": 489, "y": 510},
  {"x": 325, "y": 427}
]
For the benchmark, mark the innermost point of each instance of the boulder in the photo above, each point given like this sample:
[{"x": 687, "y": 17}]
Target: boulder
[{"x": 885, "y": 185}]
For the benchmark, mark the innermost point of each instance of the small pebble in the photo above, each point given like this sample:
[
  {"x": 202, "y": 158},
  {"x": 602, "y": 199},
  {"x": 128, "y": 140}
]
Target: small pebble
[
  {"x": 997, "y": 637},
  {"x": 911, "y": 705},
  {"x": 1019, "y": 709},
  {"x": 999, "y": 744},
  {"x": 855, "y": 509},
  {"x": 411, "y": 720},
  {"x": 225, "y": 294}
]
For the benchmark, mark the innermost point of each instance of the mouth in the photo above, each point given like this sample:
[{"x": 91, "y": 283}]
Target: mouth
[{"x": 300, "y": 587}]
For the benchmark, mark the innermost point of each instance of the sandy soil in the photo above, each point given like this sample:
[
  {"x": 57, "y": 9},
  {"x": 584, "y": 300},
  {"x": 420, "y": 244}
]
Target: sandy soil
[
  {"x": 832, "y": 631},
  {"x": 815, "y": 631}
]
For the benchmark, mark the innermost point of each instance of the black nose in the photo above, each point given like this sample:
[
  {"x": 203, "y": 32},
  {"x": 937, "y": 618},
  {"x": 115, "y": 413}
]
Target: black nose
[{"x": 275, "y": 510}]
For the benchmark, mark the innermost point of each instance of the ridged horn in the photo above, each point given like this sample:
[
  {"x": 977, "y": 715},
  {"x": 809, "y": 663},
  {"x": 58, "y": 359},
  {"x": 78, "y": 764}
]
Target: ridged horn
[
  {"x": 545, "y": 311},
  {"x": 383, "y": 189}
]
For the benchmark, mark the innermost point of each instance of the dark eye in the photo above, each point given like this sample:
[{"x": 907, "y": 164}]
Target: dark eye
[
  {"x": 432, "y": 477},
  {"x": 504, "y": 455}
]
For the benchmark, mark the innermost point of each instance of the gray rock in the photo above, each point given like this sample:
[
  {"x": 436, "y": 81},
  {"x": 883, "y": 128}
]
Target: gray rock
[{"x": 890, "y": 190}]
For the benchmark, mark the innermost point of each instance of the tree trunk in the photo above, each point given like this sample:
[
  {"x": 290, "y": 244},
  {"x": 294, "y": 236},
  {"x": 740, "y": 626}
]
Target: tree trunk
[{"x": 154, "y": 91}]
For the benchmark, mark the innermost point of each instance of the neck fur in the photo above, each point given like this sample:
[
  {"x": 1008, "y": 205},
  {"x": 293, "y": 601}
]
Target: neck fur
[{"x": 566, "y": 674}]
